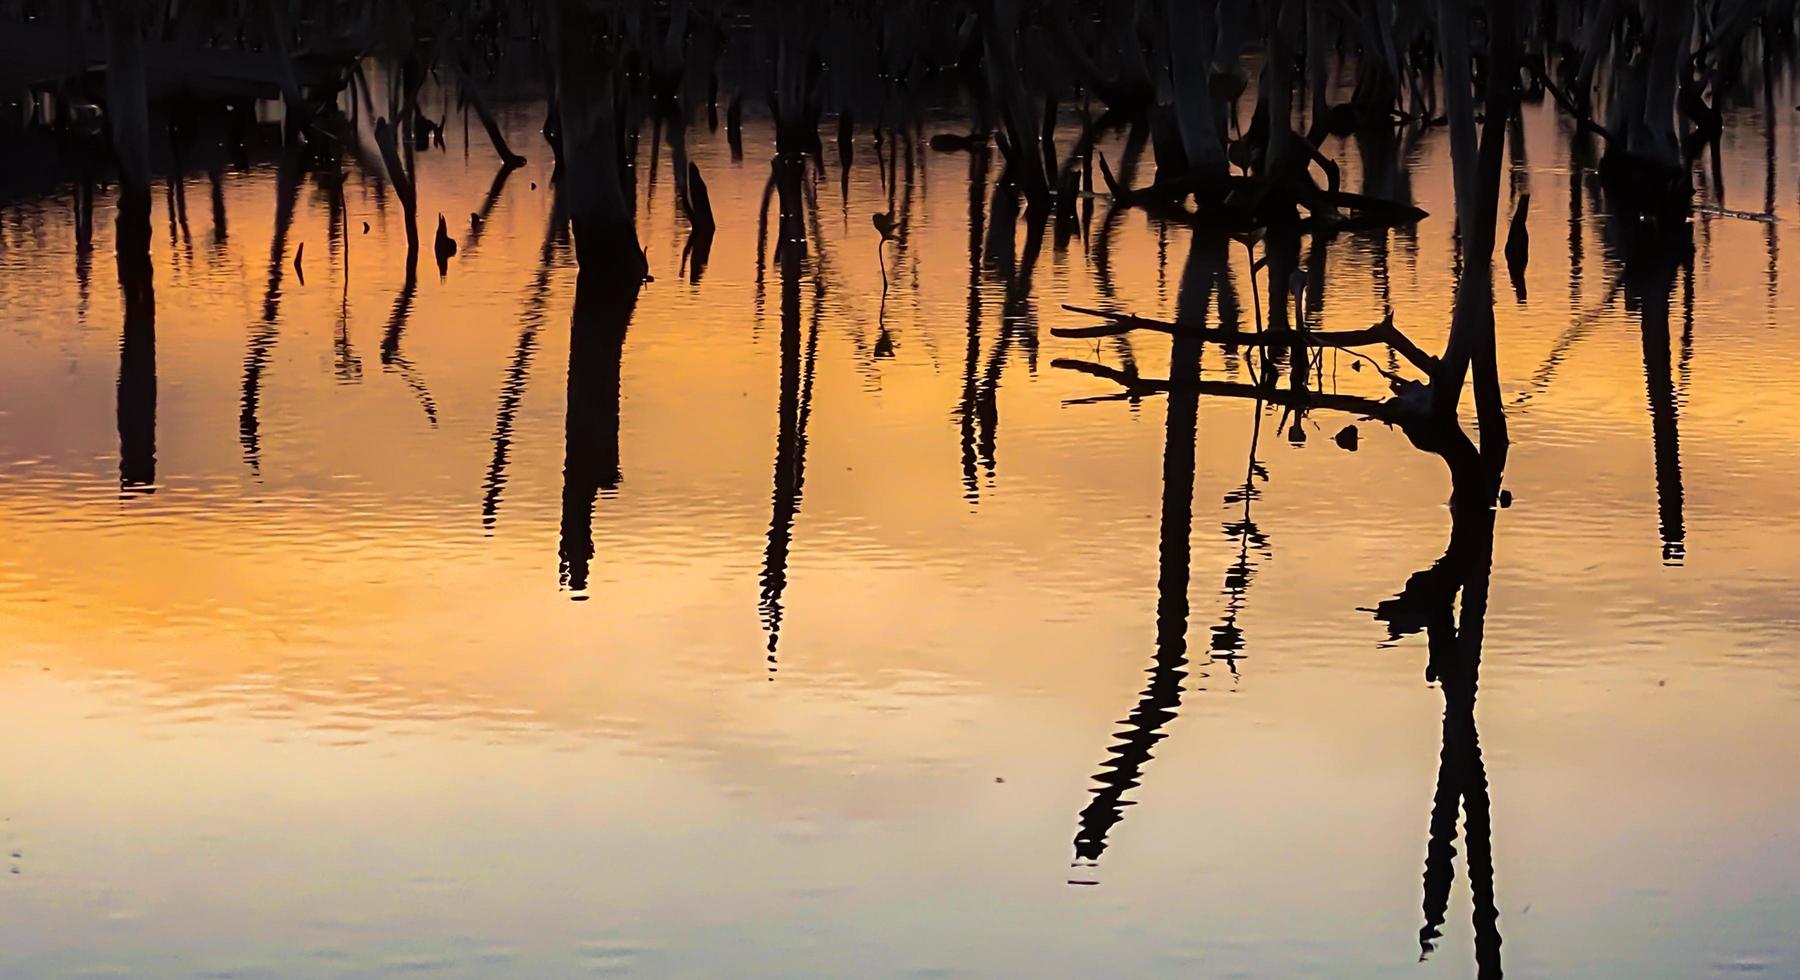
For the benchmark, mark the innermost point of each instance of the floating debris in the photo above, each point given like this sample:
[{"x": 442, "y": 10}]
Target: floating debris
[{"x": 1762, "y": 217}]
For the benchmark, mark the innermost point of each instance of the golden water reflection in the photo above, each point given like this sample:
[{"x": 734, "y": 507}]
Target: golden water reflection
[{"x": 321, "y": 703}]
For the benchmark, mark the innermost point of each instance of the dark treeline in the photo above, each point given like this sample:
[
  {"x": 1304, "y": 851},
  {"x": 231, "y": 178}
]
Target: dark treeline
[{"x": 1231, "y": 100}]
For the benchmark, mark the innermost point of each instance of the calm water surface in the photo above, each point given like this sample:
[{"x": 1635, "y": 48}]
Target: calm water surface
[{"x": 874, "y": 644}]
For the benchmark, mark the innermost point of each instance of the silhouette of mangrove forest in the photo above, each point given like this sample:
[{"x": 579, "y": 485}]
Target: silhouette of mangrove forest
[{"x": 1215, "y": 114}]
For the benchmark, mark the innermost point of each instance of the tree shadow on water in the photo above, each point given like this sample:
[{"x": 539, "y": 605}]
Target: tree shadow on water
[
  {"x": 604, "y": 303},
  {"x": 1429, "y": 603}
]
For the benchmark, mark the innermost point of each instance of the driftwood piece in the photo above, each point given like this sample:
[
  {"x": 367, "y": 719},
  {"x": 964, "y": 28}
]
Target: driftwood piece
[
  {"x": 1582, "y": 116},
  {"x": 1392, "y": 411},
  {"x": 387, "y": 142},
  {"x": 496, "y": 138},
  {"x": 1379, "y": 333},
  {"x": 1221, "y": 198}
]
